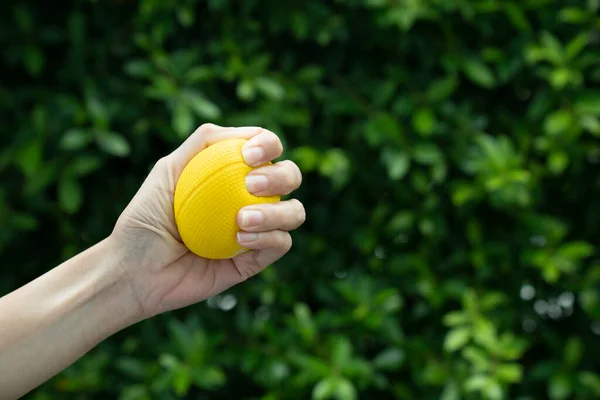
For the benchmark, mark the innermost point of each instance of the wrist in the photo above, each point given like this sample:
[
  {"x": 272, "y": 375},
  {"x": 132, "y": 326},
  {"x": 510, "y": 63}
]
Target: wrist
[
  {"x": 114, "y": 280},
  {"x": 93, "y": 287}
]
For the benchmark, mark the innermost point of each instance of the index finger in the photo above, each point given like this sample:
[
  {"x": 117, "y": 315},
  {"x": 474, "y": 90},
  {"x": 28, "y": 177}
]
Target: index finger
[{"x": 203, "y": 137}]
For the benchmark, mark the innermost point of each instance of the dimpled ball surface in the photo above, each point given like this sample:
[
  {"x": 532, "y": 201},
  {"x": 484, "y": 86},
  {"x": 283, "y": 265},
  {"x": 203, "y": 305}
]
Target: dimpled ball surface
[{"x": 209, "y": 193}]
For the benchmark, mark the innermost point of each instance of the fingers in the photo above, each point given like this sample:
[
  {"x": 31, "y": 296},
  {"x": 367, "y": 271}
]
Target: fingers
[
  {"x": 203, "y": 137},
  {"x": 281, "y": 178},
  {"x": 263, "y": 145},
  {"x": 267, "y": 247},
  {"x": 285, "y": 216},
  {"x": 262, "y": 148},
  {"x": 278, "y": 240}
]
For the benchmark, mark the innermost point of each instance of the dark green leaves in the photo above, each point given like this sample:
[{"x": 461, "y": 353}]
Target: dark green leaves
[
  {"x": 113, "y": 143},
  {"x": 75, "y": 139},
  {"x": 69, "y": 195},
  {"x": 479, "y": 73}
]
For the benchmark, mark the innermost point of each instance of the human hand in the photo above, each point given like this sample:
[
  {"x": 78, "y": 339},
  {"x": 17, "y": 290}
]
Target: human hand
[{"x": 163, "y": 273}]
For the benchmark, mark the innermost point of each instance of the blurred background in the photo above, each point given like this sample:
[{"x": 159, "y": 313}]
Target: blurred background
[{"x": 450, "y": 152}]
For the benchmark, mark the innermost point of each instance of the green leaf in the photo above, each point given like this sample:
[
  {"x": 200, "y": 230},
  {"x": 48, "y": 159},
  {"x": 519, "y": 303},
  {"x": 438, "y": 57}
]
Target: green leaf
[
  {"x": 341, "y": 351},
  {"x": 442, "y": 88},
  {"x": 559, "y": 388},
  {"x": 457, "y": 338},
  {"x": 455, "y": 318},
  {"x": 33, "y": 59},
  {"x": 389, "y": 359},
  {"x": 185, "y": 16},
  {"x": 113, "y": 143},
  {"x": 479, "y": 73},
  {"x": 576, "y": 250},
  {"x": 85, "y": 165},
  {"x": 97, "y": 110},
  {"x": 484, "y": 333},
  {"x": 306, "y": 325},
  {"x": 69, "y": 195},
  {"x": 139, "y": 68},
  {"x": 516, "y": 15},
  {"x": 424, "y": 121},
  {"x": 169, "y": 361},
  {"x": 74, "y": 139},
  {"x": 324, "y": 389},
  {"x": 576, "y": 45},
  {"x": 203, "y": 107},
  {"x": 588, "y": 102},
  {"x": 561, "y": 77},
  {"x": 558, "y": 162},
  {"x": 510, "y": 373},
  {"x": 208, "y": 378},
  {"x": 345, "y": 390},
  {"x": 246, "y": 90},
  {"x": 29, "y": 157},
  {"x": 181, "y": 381},
  {"x": 451, "y": 392},
  {"x": 382, "y": 128},
  {"x": 336, "y": 165},
  {"x": 591, "y": 125},
  {"x": 24, "y": 222},
  {"x": 573, "y": 15},
  {"x": 552, "y": 47},
  {"x": 558, "y": 122},
  {"x": 427, "y": 154},
  {"x": 314, "y": 365},
  {"x": 306, "y": 157},
  {"x": 477, "y": 357},
  {"x": 493, "y": 391},
  {"x": 198, "y": 74},
  {"x": 182, "y": 120},
  {"x": 133, "y": 392},
  {"x": 132, "y": 367},
  {"x": 573, "y": 351},
  {"x": 397, "y": 163},
  {"x": 270, "y": 88},
  {"x": 476, "y": 383},
  {"x": 591, "y": 381}
]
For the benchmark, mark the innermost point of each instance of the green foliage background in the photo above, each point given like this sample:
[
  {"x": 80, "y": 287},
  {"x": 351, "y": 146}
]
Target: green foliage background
[{"x": 450, "y": 152}]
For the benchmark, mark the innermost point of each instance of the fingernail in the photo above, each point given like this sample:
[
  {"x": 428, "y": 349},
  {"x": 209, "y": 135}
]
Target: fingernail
[
  {"x": 247, "y": 237},
  {"x": 253, "y": 156},
  {"x": 251, "y": 218},
  {"x": 256, "y": 183}
]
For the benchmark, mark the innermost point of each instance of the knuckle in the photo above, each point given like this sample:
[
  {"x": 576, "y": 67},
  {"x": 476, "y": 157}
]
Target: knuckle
[
  {"x": 284, "y": 242},
  {"x": 301, "y": 215},
  {"x": 273, "y": 140},
  {"x": 289, "y": 176},
  {"x": 161, "y": 163},
  {"x": 207, "y": 127},
  {"x": 294, "y": 171},
  {"x": 206, "y": 130}
]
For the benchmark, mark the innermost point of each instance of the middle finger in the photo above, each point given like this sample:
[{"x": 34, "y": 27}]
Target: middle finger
[{"x": 280, "y": 178}]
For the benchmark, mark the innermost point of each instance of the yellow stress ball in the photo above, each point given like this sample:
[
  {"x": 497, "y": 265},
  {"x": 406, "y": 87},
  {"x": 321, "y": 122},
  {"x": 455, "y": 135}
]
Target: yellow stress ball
[{"x": 209, "y": 194}]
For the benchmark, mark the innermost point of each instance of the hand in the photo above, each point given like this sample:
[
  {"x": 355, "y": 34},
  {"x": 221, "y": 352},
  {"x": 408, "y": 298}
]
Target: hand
[{"x": 163, "y": 273}]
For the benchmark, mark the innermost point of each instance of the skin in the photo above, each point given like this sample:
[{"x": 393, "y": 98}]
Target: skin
[{"x": 142, "y": 268}]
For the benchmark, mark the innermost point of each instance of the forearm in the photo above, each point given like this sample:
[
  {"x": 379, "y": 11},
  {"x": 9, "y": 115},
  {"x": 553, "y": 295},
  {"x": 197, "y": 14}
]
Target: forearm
[{"x": 51, "y": 322}]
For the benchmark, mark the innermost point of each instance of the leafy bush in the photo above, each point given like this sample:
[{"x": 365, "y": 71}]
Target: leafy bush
[{"x": 450, "y": 154}]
